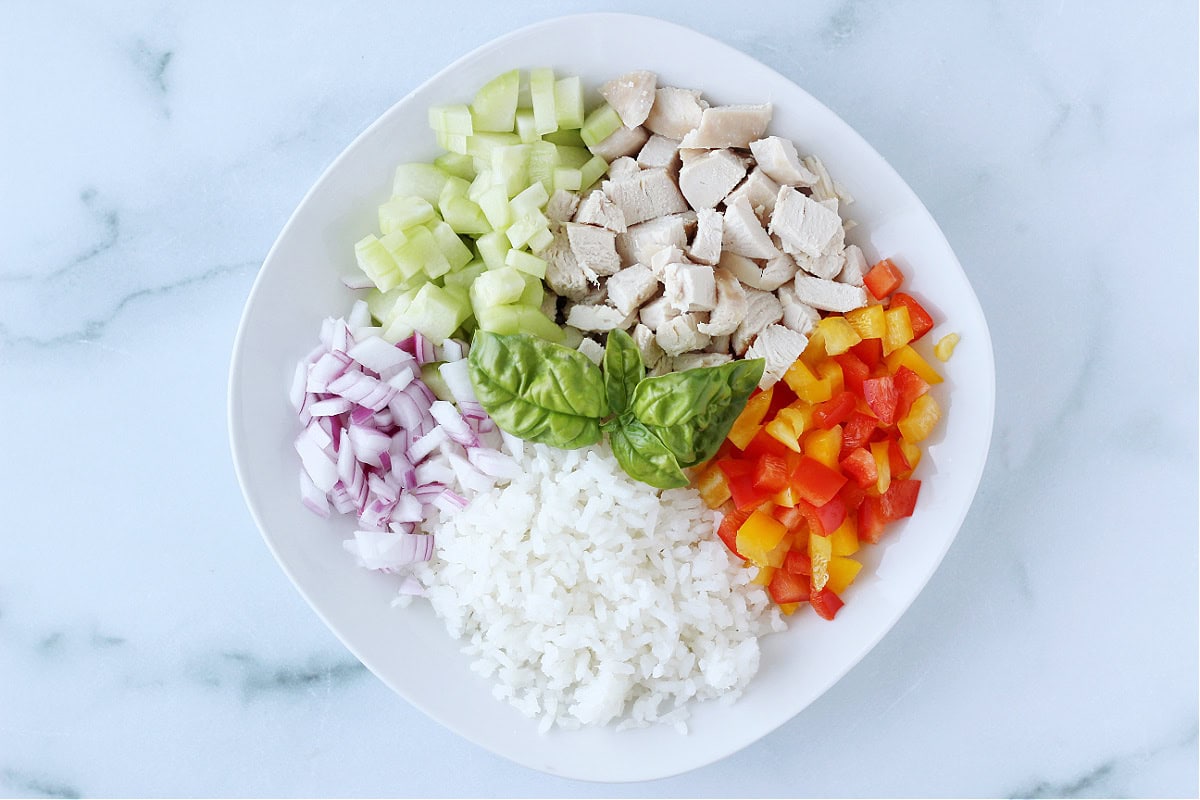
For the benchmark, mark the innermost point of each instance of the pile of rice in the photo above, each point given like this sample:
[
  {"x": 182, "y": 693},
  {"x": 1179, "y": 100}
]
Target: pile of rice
[{"x": 592, "y": 598}]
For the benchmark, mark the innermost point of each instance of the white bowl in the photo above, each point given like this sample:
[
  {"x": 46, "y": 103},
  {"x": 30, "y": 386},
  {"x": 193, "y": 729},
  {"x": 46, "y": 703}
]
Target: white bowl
[{"x": 409, "y": 650}]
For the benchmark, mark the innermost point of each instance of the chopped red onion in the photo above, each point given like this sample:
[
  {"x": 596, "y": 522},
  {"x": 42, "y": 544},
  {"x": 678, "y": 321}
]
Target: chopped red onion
[
  {"x": 331, "y": 407},
  {"x": 450, "y": 502},
  {"x": 453, "y": 424},
  {"x": 359, "y": 317},
  {"x": 494, "y": 463},
  {"x": 313, "y": 498}
]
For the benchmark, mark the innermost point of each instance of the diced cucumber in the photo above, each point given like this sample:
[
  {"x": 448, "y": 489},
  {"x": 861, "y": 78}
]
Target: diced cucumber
[
  {"x": 571, "y": 337},
  {"x": 451, "y": 119},
  {"x": 543, "y": 158},
  {"x": 456, "y": 252},
  {"x": 421, "y": 253},
  {"x": 399, "y": 329},
  {"x": 494, "y": 202},
  {"x": 483, "y": 182},
  {"x": 423, "y": 180},
  {"x": 481, "y": 144},
  {"x": 519, "y": 319},
  {"x": 534, "y": 293},
  {"x": 531, "y": 199},
  {"x": 568, "y": 102},
  {"x": 385, "y": 305},
  {"x": 541, "y": 93},
  {"x": 459, "y": 293},
  {"x": 453, "y": 187},
  {"x": 573, "y": 157},
  {"x": 510, "y": 167},
  {"x": 463, "y": 278},
  {"x": 493, "y": 248},
  {"x": 599, "y": 125},
  {"x": 496, "y": 102},
  {"x": 540, "y": 240},
  {"x": 456, "y": 143},
  {"x": 431, "y": 376},
  {"x": 457, "y": 164},
  {"x": 525, "y": 227},
  {"x": 436, "y": 313},
  {"x": 375, "y": 260},
  {"x": 528, "y": 263},
  {"x": 465, "y": 217},
  {"x": 571, "y": 138},
  {"x": 592, "y": 171},
  {"x": 569, "y": 179},
  {"x": 497, "y": 287},
  {"x": 526, "y": 126},
  {"x": 404, "y": 212}
]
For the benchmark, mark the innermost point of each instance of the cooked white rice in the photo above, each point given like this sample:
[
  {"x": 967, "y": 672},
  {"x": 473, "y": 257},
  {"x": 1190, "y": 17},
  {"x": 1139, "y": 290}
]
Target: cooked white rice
[{"x": 589, "y": 597}]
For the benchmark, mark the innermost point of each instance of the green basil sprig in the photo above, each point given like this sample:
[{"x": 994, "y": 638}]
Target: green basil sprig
[{"x": 552, "y": 394}]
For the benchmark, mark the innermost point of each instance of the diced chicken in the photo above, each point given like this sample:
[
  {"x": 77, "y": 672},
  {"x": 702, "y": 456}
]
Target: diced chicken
[
  {"x": 595, "y": 249},
  {"x": 623, "y": 167},
  {"x": 822, "y": 188},
  {"x": 778, "y": 271},
  {"x": 706, "y": 246},
  {"x": 642, "y": 241},
  {"x": 824, "y": 266},
  {"x": 719, "y": 344},
  {"x": 779, "y": 347},
  {"x": 762, "y": 309},
  {"x": 597, "y": 209},
  {"x": 624, "y": 141},
  {"x": 648, "y": 195},
  {"x": 680, "y": 335},
  {"x": 760, "y": 191},
  {"x": 670, "y": 254},
  {"x": 855, "y": 267},
  {"x": 631, "y": 96},
  {"x": 777, "y": 157},
  {"x": 687, "y": 154},
  {"x": 829, "y": 295},
  {"x": 675, "y": 112},
  {"x": 804, "y": 225},
  {"x": 564, "y": 275},
  {"x": 561, "y": 206},
  {"x": 657, "y": 313},
  {"x": 597, "y": 318},
  {"x": 597, "y": 296},
  {"x": 690, "y": 287},
  {"x": 592, "y": 349},
  {"x": 659, "y": 152},
  {"x": 742, "y": 268},
  {"x": 729, "y": 126},
  {"x": 693, "y": 360},
  {"x": 797, "y": 315},
  {"x": 647, "y": 345},
  {"x": 731, "y": 305},
  {"x": 705, "y": 181},
  {"x": 549, "y": 305},
  {"x": 743, "y": 234},
  {"x": 631, "y": 287}
]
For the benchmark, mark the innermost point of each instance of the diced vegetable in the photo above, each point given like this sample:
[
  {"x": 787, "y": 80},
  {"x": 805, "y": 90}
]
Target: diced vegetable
[
  {"x": 883, "y": 279},
  {"x": 945, "y": 346}
]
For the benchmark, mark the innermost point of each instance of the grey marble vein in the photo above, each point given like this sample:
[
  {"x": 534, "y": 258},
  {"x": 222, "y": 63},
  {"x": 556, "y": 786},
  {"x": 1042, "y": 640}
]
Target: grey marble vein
[
  {"x": 37, "y": 785},
  {"x": 254, "y": 677},
  {"x": 106, "y": 218}
]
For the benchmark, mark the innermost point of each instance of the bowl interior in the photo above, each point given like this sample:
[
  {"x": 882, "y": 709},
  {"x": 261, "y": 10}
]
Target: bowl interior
[{"x": 299, "y": 284}]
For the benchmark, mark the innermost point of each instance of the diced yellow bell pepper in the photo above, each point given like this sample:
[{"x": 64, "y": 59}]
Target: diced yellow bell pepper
[
  {"x": 883, "y": 464},
  {"x": 842, "y": 572},
  {"x": 786, "y": 498},
  {"x": 912, "y": 453},
  {"x": 781, "y": 431},
  {"x": 712, "y": 486},
  {"x": 814, "y": 351},
  {"x": 831, "y": 371},
  {"x": 763, "y": 576},
  {"x": 839, "y": 335},
  {"x": 920, "y": 420},
  {"x": 845, "y": 538},
  {"x": 749, "y": 422},
  {"x": 868, "y": 321},
  {"x": 788, "y": 608},
  {"x": 820, "y": 552},
  {"x": 799, "y": 414},
  {"x": 945, "y": 346},
  {"x": 802, "y": 380},
  {"x": 824, "y": 445},
  {"x": 759, "y": 535},
  {"x": 899, "y": 329},
  {"x": 906, "y": 356}
]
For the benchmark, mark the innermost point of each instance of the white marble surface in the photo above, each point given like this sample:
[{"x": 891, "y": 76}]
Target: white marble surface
[{"x": 150, "y": 153}]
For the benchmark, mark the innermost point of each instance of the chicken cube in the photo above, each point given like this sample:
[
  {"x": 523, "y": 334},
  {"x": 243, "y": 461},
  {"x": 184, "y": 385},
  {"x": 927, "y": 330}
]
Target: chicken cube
[
  {"x": 597, "y": 318},
  {"x": 594, "y": 248},
  {"x": 631, "y": 287},
  {"x": 804, "y": 225},
  {"x": 688, "y": 361},
  {"x": 797, "y": 315},
  {"x": 779, "y": 347},
  {"x": 680, "y": 335},
  {"x": 597, "y": 209},
  {"x": 760, "y": 191},
  {"x": 825, "y": 266},
  {"x": 624, "y": 141},
  {"x": 762, "y": 309},
  {"x": 729, "y": 126},
  {"x": 640, "y": 242},
  {"x": 631, "y": 96},
  {"x": 647, "y": 345},
  {"x": 777, "y": 157},
  {"x": 829, "y": 295},
  {"x": 706, "y": 245},
  {"x": 731, "y": 305},
  {"x": 561, "y": 206},
  {"x": 719, "y": 344},
  {"x": 657, "y": 313},
  {"x": 623, "y": 167},
  {"x": 855, "y": 267},
  {"x": 564, "y": 275},
  {"x": 675, "y": 112},
  {"x": 660, "y": 152},
  {"x": 705, "y": 181},
  {"x": 592, "y": 349},
  {"x": 743, "y": 234},
  {"x": 671, "y": 254},
  {"x": 648, "y": 195},
  {"x": 690, "y": 287}
]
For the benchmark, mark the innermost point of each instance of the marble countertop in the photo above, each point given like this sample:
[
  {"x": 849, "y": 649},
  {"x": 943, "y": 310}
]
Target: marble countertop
[{"x": 149, "y": 645}]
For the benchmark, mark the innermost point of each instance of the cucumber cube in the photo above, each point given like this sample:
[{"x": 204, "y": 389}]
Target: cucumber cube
[
  {"x": 483, "y": 181},
  {"x": 385, "y": 305},
  {"x": 541, "y": 93},
  {"x": 534, "y": 293},
  {"x": 452, "y": 247},
  {"x": 599, "y": 125},
  {"x": 573, "y": 157},
  {"x": 421, "y": 254},
  {"x": 527, "y": 226},
  {"x": 592, "y": 171},
  {"x": 457, "y": 164},
  {"x": 519, "y": 319},
  {"x": 378, "y": 264},
  {"x": 451, "y": 119},
  {"x": 510, "y": 167},
  {"x": 465, "y": 217},
  {"x": 497, "y": 287},
  {"x": 543, "y": 158},
  {"x": 463, "y": 278},
  {"x": 423, "y": 180},
  {"x": 568, "y": 178},
  {"x": 496, "y": 102},
  {"x": 454, "y": 187},
  {"x": 494, "y": 203},
  {"x": 493, "y": 248},
  {"x": 481, "y": 144},
  {"x": 570, "y": 138},
  {"x": 526, "y": 126},
  {"x": 568, "y": 102},
  {"x": 436, "y": 313},
  {"x": 528, "y": 263},
  {"x": 456, "y": 143},
  {"x": 532, "y": 198},
  {"x": 541, "y": 240},
  {"x": 399, "y": 329},
  {"x": 404, "y": 212}
]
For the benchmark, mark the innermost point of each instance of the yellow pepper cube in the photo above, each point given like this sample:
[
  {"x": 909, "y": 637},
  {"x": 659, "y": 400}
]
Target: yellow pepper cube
[
  {"x": 832, "y": 371},
  {"x": 763, "y": 576},
  {"x": 749, "y": 422},
  {"x": 824, "y": 446},
  {"x": 759, "y": 536},
  {"x": 906, "y": 356},
  {"x": 842, "y": 572},
  {"x": 712, "y": 486},
  {"x": 802, "y": 380},
  {"x": 883, "y": 465},
  {"x": 898, "y": 331},
  {"x": 839, "y": 335},
  {"x": 945, "y": 346},
  {"x": 845, "y": 538},
  {"x": 868, "y": 321},
  {"x": 820, "y": 552},
  {"x": 814, "y": 351},
  {"x": 921, "y": 419},
  {"x": 781, "y": 431},
  {"x": 912, "y": 453},
  {"x": 798, "y": 415},
  {"x": 786, "y": 498},
  {"x": 788, "y": 608}
]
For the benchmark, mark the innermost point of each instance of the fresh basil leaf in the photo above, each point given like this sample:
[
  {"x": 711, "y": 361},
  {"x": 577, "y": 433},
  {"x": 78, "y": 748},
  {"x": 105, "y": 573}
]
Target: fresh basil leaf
[
  {"x": 538, "y": 390},
  {"x": 642, "y": 455},
  {"x": 623, "y": 369},
  {"x": 691, "y": 412}
]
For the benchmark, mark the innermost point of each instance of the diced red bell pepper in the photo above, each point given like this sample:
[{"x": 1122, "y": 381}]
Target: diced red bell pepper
[
  {"x": 871, "y": 520},
  {"x": 910, "y": 386},
  {"x": 852, "y": 495},
  {"x": 831, "y": 515},
  {"x": 764, "y": 444},
  {"x": 792, "y": 518},
  {"x": 797, "y": 563},
  {"x": 860, "y": 465},
  {"x": 815, "y": 482},
  {"x": 896, "y": 459},
  {"x": 781, "y": 396},
  {"x": 900, "y": 499},
  {"x": 739, "y": 474},
  {"x": 854, "y": 370},
  {"x": 770, "y": 473},
  {"x": 729, "y": 528},
  {"x": 882, "y": 398},
  {"x": 834, "y": 411},
  {"x": 921, "y": 322},
  {"x": 869, "y": 352},
  {"x": 826, "y": 603},
  {"x": 883, "y": 279},
  {"x": 857, "y": 431},
  {"x": 788, "y": 588}
]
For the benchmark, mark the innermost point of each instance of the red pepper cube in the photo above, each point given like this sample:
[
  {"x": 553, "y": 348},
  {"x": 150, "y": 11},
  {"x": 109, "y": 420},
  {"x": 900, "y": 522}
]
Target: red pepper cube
[
  {"x": 921, "y": 322},
  {"x": 900, "y": 499},
  {"x": 798, "y": 563},
  {"x": 854, "y": 370},
  {"x": 909, "y": 385},
  {"x": 869, "y": 352},
  {"x": 826, "y": 603},
  {"x": 883, "y": 279},
  {"x": 832, "y": 514},
  {"x": 834, "y": 411},
  {"x": 787, "y": 588},
  {"x": 860, "y": 465},
  {"x": 770, "y": 473},
  {"x": 882, "y": 398},
  {"x": 857, "y": 432},
  {"x": 815, "y": 482},
  {"x": 871, "y": 520},
  {"x": 729, "y": 528}
]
